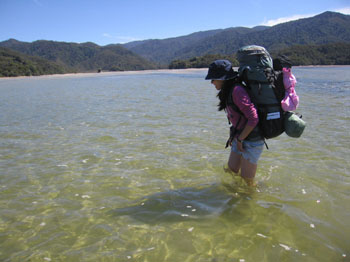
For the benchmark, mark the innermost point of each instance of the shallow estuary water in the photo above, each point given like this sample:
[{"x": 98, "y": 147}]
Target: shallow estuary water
[{"x": 129, "y": 167}]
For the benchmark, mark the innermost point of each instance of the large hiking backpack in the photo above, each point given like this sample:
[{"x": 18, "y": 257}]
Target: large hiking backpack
[{"x": 264, "y": 87}]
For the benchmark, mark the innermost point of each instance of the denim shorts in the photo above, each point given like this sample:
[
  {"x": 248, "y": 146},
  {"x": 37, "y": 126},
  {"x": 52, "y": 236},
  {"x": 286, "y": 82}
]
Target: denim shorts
[{"x": 252, "y": 150}]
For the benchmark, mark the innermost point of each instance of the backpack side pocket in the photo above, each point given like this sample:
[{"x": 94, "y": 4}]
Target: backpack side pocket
[{"x": 271, "y": 122}]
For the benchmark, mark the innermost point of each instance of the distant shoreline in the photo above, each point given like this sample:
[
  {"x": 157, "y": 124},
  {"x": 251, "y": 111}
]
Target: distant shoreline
[{"x": 112, "y": 73}]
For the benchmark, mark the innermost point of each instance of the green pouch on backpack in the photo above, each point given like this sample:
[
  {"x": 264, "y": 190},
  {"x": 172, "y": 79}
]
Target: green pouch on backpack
[{"x": 293, "y": 124}]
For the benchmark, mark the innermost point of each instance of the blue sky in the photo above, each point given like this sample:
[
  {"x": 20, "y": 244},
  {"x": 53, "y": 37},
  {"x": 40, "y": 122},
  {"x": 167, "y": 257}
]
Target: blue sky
[{"x": 106, "y": 21}]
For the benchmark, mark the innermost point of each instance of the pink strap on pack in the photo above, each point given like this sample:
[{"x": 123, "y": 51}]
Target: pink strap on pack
[{"x": 290, "y": 101}]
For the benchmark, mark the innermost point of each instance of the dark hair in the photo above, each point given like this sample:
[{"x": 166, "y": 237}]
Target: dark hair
[{"x": 224, "y": 93}]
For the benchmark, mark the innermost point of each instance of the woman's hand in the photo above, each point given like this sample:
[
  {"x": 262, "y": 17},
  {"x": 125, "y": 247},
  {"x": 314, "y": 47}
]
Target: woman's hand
[
  {"x": 243, "y": 135},
  {"x": 240, "y": 145}
]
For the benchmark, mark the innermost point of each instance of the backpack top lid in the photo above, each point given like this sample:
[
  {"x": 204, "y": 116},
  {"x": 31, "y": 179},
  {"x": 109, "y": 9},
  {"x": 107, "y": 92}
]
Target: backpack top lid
[{"x": 254, "y": 56}]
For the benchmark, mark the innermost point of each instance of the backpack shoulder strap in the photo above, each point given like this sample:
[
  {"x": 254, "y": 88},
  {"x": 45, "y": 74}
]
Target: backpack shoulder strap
[
  {"x": 256, "y": 132},
  {"x": 230, "y": 100}
]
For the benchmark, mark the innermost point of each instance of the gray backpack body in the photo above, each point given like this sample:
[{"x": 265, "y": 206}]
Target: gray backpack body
[{"x": 257, "y": 74}]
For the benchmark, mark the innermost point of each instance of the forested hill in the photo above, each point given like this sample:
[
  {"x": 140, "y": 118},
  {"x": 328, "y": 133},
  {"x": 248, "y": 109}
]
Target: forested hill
[
  {"x": 322, "y": 39},
  {"x": 13, "y": 63},
  {"x": 166, "y": 50},
  {"x": 327, "y": 54},
  {"x": 74, "y": 57},
  {"x": 328, "y": 27}
]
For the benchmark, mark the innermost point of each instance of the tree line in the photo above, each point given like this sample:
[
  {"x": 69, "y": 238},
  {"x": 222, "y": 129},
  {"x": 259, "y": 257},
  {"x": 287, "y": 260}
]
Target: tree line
[
  {"x": 328, "y": 54},
  {"x": 50, "y": 57}
]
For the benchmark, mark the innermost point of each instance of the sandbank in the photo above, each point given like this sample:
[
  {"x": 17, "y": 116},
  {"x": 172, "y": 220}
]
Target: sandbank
[
  {"x": 114, "y": 73},
  {"x": 138, "y": 72}
]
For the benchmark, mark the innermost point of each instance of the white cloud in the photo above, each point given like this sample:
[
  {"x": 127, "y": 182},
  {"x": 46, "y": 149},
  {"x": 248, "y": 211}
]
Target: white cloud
[
  {"x": 119, "y": 39},
  {"x": 281, "y": 20},
  {"x": 345, "y": 10},
  {"x": 272, "y": 22}
]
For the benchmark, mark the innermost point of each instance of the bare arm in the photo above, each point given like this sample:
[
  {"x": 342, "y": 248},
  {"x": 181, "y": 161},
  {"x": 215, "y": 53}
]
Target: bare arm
[{"x": 245, "y": 132}]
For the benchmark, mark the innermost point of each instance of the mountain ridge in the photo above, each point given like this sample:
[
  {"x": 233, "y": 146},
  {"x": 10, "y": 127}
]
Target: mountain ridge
[
  {"x": 164, "y": 50},
  {"x": 84, "y": 57},
  {"x": 197, "y": 48},
  {"x": 327, "y": 27}
]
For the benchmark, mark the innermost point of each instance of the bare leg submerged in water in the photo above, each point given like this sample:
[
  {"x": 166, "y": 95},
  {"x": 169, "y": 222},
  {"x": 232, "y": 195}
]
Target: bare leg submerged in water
[{"x": 248, "y": 170}]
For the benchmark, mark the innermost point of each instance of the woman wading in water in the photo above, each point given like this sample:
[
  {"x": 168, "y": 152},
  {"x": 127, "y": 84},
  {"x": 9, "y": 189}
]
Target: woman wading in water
[{"x": 246, "y": 144}]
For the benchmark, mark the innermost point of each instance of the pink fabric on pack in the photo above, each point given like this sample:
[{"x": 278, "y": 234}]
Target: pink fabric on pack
[{"x": 290, "y": 101}]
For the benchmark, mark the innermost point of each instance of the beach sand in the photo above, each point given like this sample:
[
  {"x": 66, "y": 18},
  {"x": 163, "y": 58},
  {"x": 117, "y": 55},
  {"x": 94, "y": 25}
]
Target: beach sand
[
  {"x": 114, "y": 73},
  {"x": 137, "y": 72}
]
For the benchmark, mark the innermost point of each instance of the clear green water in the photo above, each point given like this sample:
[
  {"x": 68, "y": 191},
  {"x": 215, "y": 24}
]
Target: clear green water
[{"x": 129, "y": 167}]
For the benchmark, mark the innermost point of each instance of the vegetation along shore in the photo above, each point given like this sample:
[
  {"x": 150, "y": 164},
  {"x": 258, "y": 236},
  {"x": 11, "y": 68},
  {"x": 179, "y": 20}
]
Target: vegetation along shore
[{"x": 320, "y": 40}]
